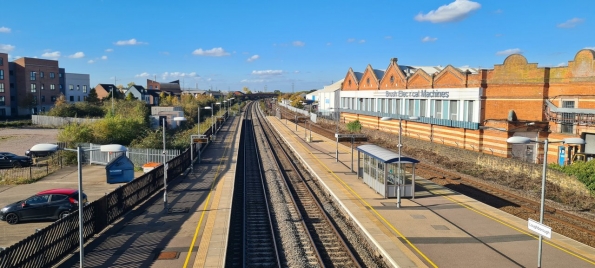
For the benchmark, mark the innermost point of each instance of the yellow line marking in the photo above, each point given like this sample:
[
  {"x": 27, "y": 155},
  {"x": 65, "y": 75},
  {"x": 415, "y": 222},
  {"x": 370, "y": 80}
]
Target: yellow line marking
[
  {"x": 366, "y": 203},
  {"x": 516, "y": 229},
  {"x": 449, "y": 198},
  {"x": 205, "y": 208}
]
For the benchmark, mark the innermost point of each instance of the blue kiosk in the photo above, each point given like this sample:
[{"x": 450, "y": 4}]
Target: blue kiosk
[{"x": 379, "y": 163}]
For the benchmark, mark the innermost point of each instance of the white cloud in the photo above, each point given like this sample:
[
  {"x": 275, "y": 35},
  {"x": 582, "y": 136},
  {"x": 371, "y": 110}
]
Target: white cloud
[
  {"x": 214, "y": 52},
  {"x": 455, "y": 11},
  {"x": 329, "y": 44},
  {"x": 362, "y": 41},
  {"x": 252, "y": 81},
  {"x": 4, "y": 30},
  {"x": 429, "y": 39},
  {"x": 562, "y": 64},
  {"x": 52, "y": 55},
  {"x": 350, "y": 40},
  {"x": 4, "y": 48},
  {"x": 591, "y": 48},
  {"x": 268, "y": 72},
  {"x": 77, "y": 55},
  {"x": 109, "y": 50},
  {"x": 571, "y": 23},
  {"x": 253, "y": 58},
  {"x": 91, "y": 61},
  {"x": 174, "y": 75},
  {"x": 104, "y": 57},
  {"x": 498, "y": 11},
  {"x": 298, "y": 44},
  {"x": 145, "y": 74},
  {"x": 509, "y": 51},
  {"x": 130, "y": 42}
]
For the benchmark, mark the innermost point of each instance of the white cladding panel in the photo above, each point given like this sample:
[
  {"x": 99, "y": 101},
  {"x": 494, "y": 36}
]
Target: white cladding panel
[{"x": 436, "y": 94}]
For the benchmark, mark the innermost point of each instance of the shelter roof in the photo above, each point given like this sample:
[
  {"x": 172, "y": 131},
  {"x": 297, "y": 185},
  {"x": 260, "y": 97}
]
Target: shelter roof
[{"x": 384, "y": 155}]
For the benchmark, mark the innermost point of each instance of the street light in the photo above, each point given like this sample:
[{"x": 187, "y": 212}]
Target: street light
[
  {"x": 214, "y": 123},
  {"x": 198, "y": 126},
  {"x": 165, "y": 164},
  {"x": 546, "y": 142},
  {"x": 112, "y": 91},
  {"x": 411, "y": 118},
  {"x": 338, "y": 109},
  {"x": 79, "y": 154}
]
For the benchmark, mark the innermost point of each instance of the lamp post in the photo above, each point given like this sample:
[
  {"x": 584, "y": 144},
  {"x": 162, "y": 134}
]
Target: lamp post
[
  {"x": 212, "y": 122},
  {"x": 112, "y": 91},
  {"x": 215, "y": 123},
  {"x": 546, "y": 142},
  {"x": 412, "y": 118},
  {"x": 198, "y": 127},
  {"x": 338, "y": 109},
  {"x": 79, "y": 154},
  {"x": 230, "y": 102}
]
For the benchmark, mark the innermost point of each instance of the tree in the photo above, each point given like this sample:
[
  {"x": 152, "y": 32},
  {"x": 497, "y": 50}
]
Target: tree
[
  {"x": 60, "y": 101},
  {"x": 354, "y": 126},
  {"x": 28, "y": 101},
  {"x": 130, "y": 97},
  {"x": 130, "y": 84},
  {"x": 278, "y": 92},
  {"x": 246, "y": 90},
  {"x": 92, "y": 98}
]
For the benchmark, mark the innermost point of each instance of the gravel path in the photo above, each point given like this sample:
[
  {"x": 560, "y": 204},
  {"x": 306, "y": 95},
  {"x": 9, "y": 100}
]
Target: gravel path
[{"x": 19, "y": 140}]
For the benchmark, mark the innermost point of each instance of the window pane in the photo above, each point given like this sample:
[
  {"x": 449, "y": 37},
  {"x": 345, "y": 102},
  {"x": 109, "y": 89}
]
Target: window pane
[{"x": 454, "y": 110}]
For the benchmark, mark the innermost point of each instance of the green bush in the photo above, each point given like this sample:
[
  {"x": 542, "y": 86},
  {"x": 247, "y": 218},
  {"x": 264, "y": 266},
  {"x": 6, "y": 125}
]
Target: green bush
[
  {"x": 583, "y": 171},
  {"x": 354, "y": 126}
]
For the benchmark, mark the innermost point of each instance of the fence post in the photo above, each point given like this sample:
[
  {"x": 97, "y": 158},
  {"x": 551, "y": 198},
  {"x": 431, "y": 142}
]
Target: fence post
[{"x": 147, "y": 156}]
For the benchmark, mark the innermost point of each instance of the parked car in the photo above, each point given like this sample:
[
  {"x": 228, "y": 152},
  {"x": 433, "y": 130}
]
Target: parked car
[
  {"x": 10, "y": 160},
  {"x": 41, "y": 150},
  {"x": 46, "y": 205}
]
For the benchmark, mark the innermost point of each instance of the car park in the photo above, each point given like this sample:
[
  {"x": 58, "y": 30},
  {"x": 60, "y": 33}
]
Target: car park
[
  {"x": 46, "y": 205},
  {"x": 10, "y": 160}
]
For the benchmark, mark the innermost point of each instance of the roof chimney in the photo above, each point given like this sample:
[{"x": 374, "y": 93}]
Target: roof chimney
[{"x": 394, "y": 60}]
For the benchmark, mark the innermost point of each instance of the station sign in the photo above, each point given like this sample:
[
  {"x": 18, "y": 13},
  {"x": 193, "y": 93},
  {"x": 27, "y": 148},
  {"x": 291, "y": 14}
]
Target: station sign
[
  {"x": 347, "y": 137},
  {"x": 199, "y": 138},
  {"x": 539, "y": 228}
]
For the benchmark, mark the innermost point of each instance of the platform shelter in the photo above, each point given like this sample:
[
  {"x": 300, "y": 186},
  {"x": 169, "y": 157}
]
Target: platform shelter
[{"x": 379, "y": 163}]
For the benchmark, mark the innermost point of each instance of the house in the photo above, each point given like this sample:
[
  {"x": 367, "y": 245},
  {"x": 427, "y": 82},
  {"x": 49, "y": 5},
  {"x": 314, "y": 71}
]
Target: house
[
  {"x": 215, "y": 94},
  {"x": 152, "y": 97},
  {"x": 171, "y": 88},
  {"x": 138, "y": 92},
  {"x": 103, "y": 90}
]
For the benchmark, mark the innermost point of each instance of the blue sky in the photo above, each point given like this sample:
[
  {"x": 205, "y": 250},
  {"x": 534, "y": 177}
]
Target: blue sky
[{"x": 270, "y": 45}]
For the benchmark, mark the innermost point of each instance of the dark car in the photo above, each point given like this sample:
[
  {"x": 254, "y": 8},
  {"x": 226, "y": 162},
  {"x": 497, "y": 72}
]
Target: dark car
[
  {"x": 10, "y": 160},
  {"x": 47, "y": 205}
]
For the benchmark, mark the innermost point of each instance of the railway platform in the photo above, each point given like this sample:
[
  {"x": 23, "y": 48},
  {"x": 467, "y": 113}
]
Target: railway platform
[
  {"x": 439, "y": 227},
  {"x": 184, "y": 234}
]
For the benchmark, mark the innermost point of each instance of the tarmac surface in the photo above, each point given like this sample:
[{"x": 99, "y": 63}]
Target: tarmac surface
[{"x": 94, "y": 186}]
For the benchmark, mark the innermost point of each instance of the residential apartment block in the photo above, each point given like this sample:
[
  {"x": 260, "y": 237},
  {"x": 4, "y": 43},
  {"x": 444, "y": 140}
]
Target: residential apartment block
[{"x": 30, "y": 86}]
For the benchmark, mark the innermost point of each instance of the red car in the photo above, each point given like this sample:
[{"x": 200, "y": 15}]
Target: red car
[{"x": 46, "y": 205}]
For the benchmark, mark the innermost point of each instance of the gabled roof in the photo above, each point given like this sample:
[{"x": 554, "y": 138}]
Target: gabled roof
[
  {"x": 153, "y": 92},
  {"x": 385, "y": 155},
  {"x": 379, "y": 74},
  {"x": 333, "y": 87}
]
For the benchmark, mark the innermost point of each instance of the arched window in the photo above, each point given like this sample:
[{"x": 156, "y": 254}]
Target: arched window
[
  {"x": 392, "y": 80},
  {"x": 368, "y": 81},
  {"x": 349, "y": 82}
]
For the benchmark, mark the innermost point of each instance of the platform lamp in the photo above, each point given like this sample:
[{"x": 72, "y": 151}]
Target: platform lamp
[
  {"x": 546, "y": 142},
  {"x": 338, "y": 109},
  {"x": 214, "y": 122},
  {"x": 411, "y": 118},
  {"x": 198, "y": 125},
  {"x": 79, "y": 153}
]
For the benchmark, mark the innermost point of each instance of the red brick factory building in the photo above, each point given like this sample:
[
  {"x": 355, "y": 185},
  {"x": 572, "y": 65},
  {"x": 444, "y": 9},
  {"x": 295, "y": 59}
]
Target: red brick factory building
[{"x": 478, "y": 109}]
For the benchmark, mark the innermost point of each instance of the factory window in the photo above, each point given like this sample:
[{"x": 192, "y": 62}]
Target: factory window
[
  {"x": 454, "y": 110},
  {"x": 567, "y": 118},
  {"x": 438, "y": 109},
  {"x": 411, "y": 107},
  {"x": 1, "y": 74},
  {"x": 422, "y": 108},
  {"x": 52, "y": 87},
  {"x": 52, "y": 75},
  {"x": 32, "y": 76},
  {"x": 398, "y": 106},
  {"x": 468, "y": 111},
  {"x": 1, "y": 87},
  {"x": 33, "y": 88}
]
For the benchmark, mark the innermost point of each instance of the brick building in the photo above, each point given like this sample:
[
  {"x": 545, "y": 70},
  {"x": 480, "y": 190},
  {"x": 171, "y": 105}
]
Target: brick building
[
  {"x": 478, "y": 109},
  {"x": 5, "y": 103},
  {"x": 37, "y": 84}
]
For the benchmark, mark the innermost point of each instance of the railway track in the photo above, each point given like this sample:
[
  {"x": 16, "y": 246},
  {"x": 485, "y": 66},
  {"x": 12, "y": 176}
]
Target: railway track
[
  {"x": 571, "y": 225},
  {"x": 252, "y": 241},
  {"x": 330, "y": 247}
]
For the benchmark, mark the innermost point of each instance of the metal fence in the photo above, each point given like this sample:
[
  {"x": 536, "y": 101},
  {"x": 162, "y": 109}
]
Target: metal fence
[
  {"x": 138, "y": 156},
  {"x": 31, "y": 173},
  {"x": 313, "y": 116},
  {"x": 55, "y": 121},
  {"x": 51, "y": 244}
]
